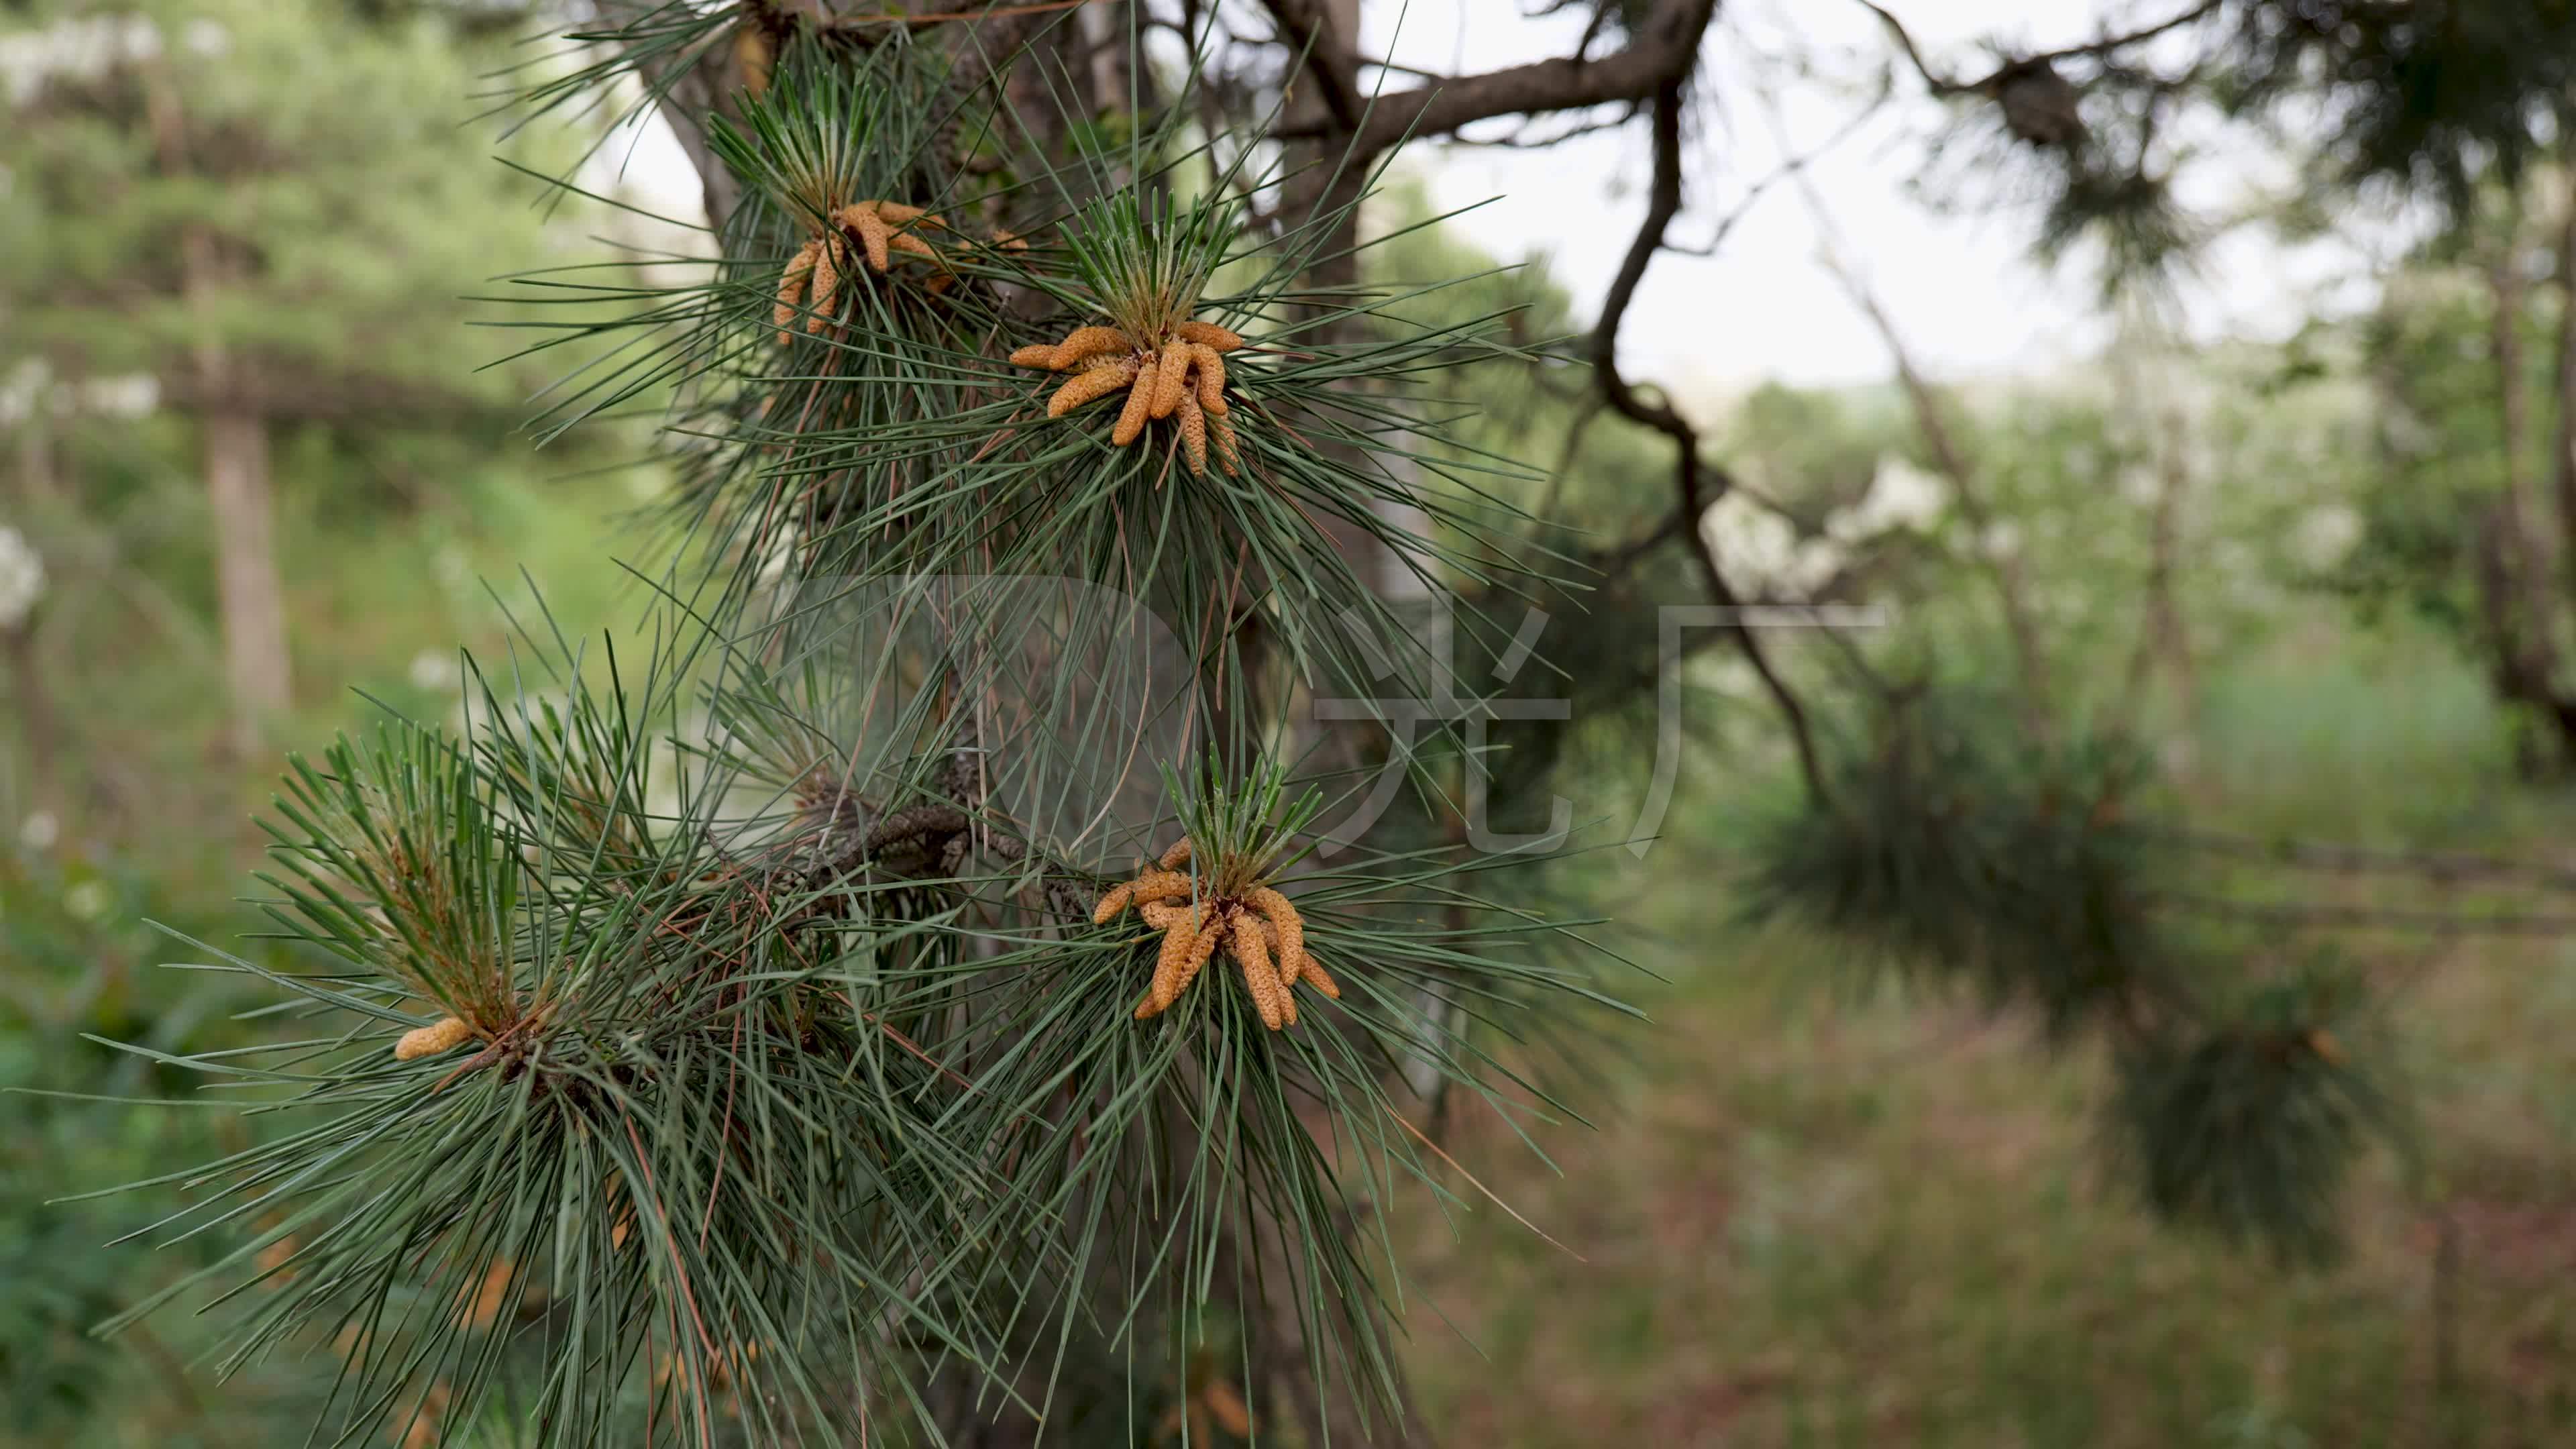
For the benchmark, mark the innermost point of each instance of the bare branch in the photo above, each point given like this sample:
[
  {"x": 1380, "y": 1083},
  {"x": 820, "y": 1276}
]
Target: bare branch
[
  {"x": 1665, "y": 44},
  {"x": 1692, "y": 499},
  {"x": 2106, "y": 44},
  {"x": 1516, "y": 141},
  {"x": 1947, "y": 456},
  {"x": 1794, "y": 166},
  {"x": 1942, "y": 85}
]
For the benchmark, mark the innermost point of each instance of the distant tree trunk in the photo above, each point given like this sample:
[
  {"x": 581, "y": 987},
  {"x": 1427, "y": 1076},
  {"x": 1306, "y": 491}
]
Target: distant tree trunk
[
  {"x": 2516, "y": 674},
  {"x": 1323, "y": 95},
  {"x": 251, "y": 600},
  {"x": 2565, "y": 449},
  {"x": 1326, "y": 176},
  {"x": 1104, "y": 35},
  {"x": 35, "y": 709},
  {"x": 234, "y": 437},
  {"x": 2514, "y": 578},
  {"x": 2162, "y": 636},
  {"x": 36, "y": 461},
  {"x": 39, "y": 718},
  {"x": 2012, "y": 592}
]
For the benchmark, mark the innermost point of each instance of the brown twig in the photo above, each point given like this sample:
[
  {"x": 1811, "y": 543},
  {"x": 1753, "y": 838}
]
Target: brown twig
[
  {"x": 1689, "y": 483},
  {"x": 1419, "y": 1136},
  {"x": 942, "y": 17},
  {"x": 1931, "y": 419},
  {"x": 1791, "y": 167}
]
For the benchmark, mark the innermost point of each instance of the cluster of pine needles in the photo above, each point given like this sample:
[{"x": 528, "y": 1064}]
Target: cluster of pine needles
[{"x": 1951, "y": 853}]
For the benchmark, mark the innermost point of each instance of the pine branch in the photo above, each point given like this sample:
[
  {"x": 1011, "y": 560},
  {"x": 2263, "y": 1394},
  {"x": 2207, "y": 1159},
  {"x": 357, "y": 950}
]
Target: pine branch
[{"x": 746, "y": 1017}]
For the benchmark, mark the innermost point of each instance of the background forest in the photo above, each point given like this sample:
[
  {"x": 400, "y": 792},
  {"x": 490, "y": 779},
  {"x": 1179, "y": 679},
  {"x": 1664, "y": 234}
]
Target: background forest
[{"x": 2248, "y": 656}]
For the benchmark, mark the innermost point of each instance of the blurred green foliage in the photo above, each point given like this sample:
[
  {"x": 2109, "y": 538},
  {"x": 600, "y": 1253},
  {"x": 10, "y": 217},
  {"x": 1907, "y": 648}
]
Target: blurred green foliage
[{"x": 282, "y": 178}]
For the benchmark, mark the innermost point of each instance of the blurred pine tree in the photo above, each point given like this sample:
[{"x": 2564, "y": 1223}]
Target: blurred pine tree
[{"x": 230, "y": 205}]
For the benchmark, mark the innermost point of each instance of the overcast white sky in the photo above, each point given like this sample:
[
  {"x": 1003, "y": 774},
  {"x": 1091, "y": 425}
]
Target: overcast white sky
[{"x": 1962, "y": 289}]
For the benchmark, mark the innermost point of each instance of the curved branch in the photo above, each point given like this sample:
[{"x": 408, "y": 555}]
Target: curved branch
[
  {"x": 1942, "y": 85},
  {"x": 2021, "y": 624},
  {"x": 1690, "y": 485},
  {"x": 1518, "y": 142},
  {"x": 1665, "y": 45},
  {"x": 1795, "y": 164}
]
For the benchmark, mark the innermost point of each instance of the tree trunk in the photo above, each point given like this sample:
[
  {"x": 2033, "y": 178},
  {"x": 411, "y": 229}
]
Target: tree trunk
[
  {"x": 2565, "y": 449},
  {"x": 1092, "y": 52},
  {"x": 36, "y": 714},
  {"x": 1324, "y": 90},
  {"x": 251, "y": 601},
  {"x": 1323, "y": 182},
  {"x": 2162, "y": 636},
  {"x": 1104, "y": 36},
  {"x": 2513, "y": 662},
  {"x": 235, "y": 440},
  {"x": 2523, "y": 607}
]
